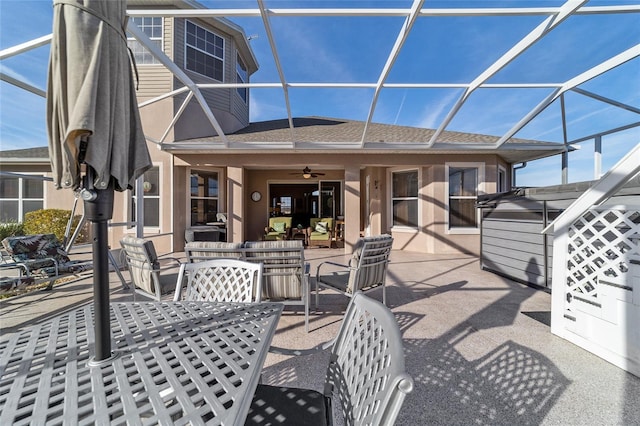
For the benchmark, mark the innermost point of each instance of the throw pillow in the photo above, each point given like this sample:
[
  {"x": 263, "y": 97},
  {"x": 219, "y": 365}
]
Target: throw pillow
[
  {"x": 279, "y": 226},
  {"x": 322, "y": 227}
]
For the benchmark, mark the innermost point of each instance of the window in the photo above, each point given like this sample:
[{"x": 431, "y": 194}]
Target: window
[
  {"x": 241, "y": 77},
  {"x": 204, "y": 197},
  {"x": 19, "y": 196},
  {"x": 464, "y": 182},
  {"x": 204, "y": 52},
  {"x": 152, "y": 27},
  {"x": 501, "y": 184},
  {"x": 404, "y": 198},
  {"x": 151, "y": 199}
]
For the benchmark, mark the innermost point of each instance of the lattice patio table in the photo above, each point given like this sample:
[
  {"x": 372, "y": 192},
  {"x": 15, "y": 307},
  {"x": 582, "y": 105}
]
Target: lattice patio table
[{"x": 175, "y": 363}]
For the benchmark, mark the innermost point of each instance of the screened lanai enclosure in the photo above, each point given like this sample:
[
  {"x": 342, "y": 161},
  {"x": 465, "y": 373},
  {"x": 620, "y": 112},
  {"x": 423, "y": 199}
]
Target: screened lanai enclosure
[{"x": 565, "y": 73}]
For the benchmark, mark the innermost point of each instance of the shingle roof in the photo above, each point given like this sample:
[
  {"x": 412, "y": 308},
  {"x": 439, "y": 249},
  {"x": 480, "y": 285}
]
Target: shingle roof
[
  {"x": 320, "y": 129},
  {"x": 38, "y": 153}
]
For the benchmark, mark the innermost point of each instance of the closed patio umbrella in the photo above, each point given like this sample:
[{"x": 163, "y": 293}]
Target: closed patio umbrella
[{"x": 96, "y": 142}]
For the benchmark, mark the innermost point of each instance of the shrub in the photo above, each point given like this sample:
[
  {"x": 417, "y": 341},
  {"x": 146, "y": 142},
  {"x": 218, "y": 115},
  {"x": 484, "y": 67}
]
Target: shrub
[
  {"x": 11, "y": 229},
  {"x": 53, "y": 221}
]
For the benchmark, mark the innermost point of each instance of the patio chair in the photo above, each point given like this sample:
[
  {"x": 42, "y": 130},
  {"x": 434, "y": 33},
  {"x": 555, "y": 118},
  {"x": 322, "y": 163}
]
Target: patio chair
[
  {"x": 220, "y": 280},
  {"x": 366, "y": 271},
  {"x": 40, "y": 258},
  {"x": 286, "y": 274},
  {"x": 147, "y": 269},
  {"x": 321, "y": 232},
  {"x": 366, "y": 378},
  {"x": 278, "y": 228}
]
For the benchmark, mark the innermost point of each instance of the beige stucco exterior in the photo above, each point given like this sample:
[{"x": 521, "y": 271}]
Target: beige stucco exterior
[{"x": 365, "y": 176}]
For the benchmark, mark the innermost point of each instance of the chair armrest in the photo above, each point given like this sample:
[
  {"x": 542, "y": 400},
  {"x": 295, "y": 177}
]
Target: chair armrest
[
  {"x": 164, "y": 259},
  {"x": 328, "y": 262},
  {"x": 16, "y": 265}
]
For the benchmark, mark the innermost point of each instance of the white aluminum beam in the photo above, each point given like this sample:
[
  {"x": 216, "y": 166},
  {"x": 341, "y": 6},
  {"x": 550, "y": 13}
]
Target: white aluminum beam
[
  {"x": 627, "y": 55},
  {"x": 24, "y": 47},
  {"x": 177, "y": 116},
  {"x": 605, "y": 133},
  {"x": 391, "y": 59},
  {"x": 606, "y": 100},
  {"x": 601, "y": 191},
  {"x": 21, "y": 84},
  {"x": 276, "y": 58},
  {"x": 377, "y": 12},
  {"x": 179, "y": 74},
  {"x": 529, "y": 40}
]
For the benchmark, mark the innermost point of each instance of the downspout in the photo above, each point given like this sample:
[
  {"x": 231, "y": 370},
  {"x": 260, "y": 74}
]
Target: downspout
[{"x": 513, "y": 172}]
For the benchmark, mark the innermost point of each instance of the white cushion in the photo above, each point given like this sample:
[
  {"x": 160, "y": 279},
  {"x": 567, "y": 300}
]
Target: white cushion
[{"x": 322, "y": 227}]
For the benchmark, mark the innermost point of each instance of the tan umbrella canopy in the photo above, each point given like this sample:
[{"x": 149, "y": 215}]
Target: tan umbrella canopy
[
  {"x": 94, "y": 125},
  {"x": 91, "y": 96}
]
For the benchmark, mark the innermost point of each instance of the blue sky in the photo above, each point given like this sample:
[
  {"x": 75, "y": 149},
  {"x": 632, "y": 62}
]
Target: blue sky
[{"x": 438, "y": 50}]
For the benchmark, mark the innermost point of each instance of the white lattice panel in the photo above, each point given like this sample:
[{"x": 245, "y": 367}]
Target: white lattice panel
[
  {"x": 596, "y": 303},
  {"x": 599, "y": 245}
]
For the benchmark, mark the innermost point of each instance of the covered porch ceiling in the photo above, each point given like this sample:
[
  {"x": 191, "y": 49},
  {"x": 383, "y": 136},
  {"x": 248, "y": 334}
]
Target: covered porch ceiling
[{"x": 487, "y": 76}]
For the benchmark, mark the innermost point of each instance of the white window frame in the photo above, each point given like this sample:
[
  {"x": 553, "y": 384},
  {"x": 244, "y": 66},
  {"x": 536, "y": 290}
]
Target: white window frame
[
  {"x": 21, "y": 199},
  {"x": 220, "y": 197},
  {"x": 501, "y": 179},
  {"x": 132, "y": 198},
  {"x": 240, "y": 80},
  {"x": 160, "y": 39},
  {"x": 186, "y": 44},
  {"x": 401, "y": 228},
  {"x": 480, "y": 189}
]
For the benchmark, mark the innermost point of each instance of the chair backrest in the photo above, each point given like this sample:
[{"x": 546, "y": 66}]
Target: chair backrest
[
  {"x": 369, "y": 262},
  {"x": 221, "y": 280},
  {"x": 313, "y": 223},
  {"x": 198, "y": 251},
  {"x": 366, "y": 375},
  {"x": 142, "y": 261},
  {"x": 283, "y": 267}
]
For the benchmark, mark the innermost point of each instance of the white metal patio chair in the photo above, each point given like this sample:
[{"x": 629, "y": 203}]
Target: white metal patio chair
[
  {"x": 149, "y": 272},
  {"x": 220, "y": 280},
  {"x": 366, "y": 378},
  {"x": 366, "y": 271}
]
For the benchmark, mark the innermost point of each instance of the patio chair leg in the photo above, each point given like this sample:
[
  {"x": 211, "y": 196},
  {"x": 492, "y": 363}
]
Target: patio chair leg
[
  {"x": 116, "y": 267},
  {"x": 50, "y": 286}
]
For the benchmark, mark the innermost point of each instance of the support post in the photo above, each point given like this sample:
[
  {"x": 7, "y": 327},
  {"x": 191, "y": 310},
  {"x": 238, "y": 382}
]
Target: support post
[{"x": 98, "y": 207}]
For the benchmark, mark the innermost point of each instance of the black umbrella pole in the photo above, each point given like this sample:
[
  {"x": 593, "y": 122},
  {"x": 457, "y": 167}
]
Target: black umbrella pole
[{"x": 98, "y": 207}]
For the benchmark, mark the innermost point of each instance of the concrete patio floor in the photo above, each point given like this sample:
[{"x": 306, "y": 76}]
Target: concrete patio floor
[{"x": 477, "y": 345}]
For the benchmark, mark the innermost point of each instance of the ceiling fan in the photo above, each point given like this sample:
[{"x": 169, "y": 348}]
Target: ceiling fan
[{"x": 307, "y": 173}]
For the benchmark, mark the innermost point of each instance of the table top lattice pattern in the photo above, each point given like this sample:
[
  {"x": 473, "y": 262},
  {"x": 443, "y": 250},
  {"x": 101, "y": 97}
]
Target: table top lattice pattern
[{"x": 177, "y": 363}]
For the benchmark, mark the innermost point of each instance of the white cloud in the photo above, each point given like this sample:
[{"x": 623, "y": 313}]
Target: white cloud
[{"x": 432, "y": 116}]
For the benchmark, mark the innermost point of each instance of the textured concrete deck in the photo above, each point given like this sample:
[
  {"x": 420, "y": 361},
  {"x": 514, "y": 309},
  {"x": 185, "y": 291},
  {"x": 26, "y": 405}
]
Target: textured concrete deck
[{"x": 477, "y": 345}]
